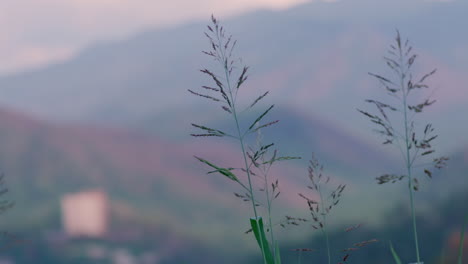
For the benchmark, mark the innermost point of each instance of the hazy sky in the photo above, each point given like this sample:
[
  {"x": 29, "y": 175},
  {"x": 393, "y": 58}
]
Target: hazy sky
[{"x": 36, "y": 32}]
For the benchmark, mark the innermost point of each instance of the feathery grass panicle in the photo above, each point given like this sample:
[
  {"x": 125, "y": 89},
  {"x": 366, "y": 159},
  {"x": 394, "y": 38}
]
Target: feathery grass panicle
[
  {"x": 321, "y": 208},
  {"x": 414, "y": 143}
]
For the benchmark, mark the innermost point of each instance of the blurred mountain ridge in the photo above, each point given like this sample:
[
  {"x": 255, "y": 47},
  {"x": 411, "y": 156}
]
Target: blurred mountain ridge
[
  {"x": 308, "y": 59},
  {"x": 43, "y": 161}
]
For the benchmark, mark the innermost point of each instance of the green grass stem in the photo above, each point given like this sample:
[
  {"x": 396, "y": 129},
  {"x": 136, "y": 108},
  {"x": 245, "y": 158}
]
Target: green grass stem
[
  {"x": 462, "y": 240},
  {"x": 324, "y": 228},
  {"x": 409, "y": 170}
]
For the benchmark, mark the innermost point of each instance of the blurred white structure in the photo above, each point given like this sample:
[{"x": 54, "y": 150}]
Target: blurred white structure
[{"x": 85, "y": 213}]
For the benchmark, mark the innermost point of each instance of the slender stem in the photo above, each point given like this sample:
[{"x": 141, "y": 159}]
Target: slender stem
[
  {"x": 246, "y": 167},
  {"x": 324, "y": 228},
  {"x": 269, "y": 215},
  {"x": 409, "y": 168},
  {"x": 241, "y": 140},
  {"x": 462, "y": 239},
  {"x": 265, "y": 170}
]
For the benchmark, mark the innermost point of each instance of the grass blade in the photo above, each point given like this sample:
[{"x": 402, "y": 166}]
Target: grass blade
[
  {"x": 223, "y": 171},
  {"x": 462, "y": 239},
  {"x": 277, "y": 253},
  {"x": 395, "y": 255},
  {"x": 260, "y": 117},
  {"x": 215, "y": 132},
  {"x": 259, "y": 232}
]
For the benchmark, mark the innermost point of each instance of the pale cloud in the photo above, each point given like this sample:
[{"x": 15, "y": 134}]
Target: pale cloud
[
  {"x": 30, "y": 57},
  {"x": 37, "y": 32}
]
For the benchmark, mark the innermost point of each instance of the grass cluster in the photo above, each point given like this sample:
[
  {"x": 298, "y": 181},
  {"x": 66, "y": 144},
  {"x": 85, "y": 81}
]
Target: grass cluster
[{"x": 395, "y": 120}]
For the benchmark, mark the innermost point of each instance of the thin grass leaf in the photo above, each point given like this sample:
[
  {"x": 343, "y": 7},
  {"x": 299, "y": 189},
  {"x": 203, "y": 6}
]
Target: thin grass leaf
[
  {"x": 392, "y": 63},
  {"x": 214, "y": 77},
  {"x": 365, "y": 243},
  {"x": 223, "y": 171},
  {"x": 398, "y": 39},
  {"x": 462, "y": 240},
  {"x": 227, "y": 42},
  {"x": 210, "y": 88},
  {"x": 205, "y": 135},
  {"x": 259, "y": 232},
  {"x": 205, "y": 96},
  {"x": 381, "y": 78},
  {"x": 219, "y": 84},
  {"x": 303, "y": 249},
  {"x": 243, "y": 77},
  {"x": 215, "y": 171},
  {"x": 277, "y": 253},
  {"x": 427, "y": 75},
  {"x": 267, "y": 146},
  {"x": 280, "y": 159},
  {"x": 258, "y": 99},
  {"x": 351, "y": 228},
  {"x": 394, "y": 254},
  {"x": 210, "y": 130},
  {"x": 366, "y": 113},
  {"x": 260, "y": 117},
  {"x": 265, "y": 125},
  {"x": 427, "y": 152}
]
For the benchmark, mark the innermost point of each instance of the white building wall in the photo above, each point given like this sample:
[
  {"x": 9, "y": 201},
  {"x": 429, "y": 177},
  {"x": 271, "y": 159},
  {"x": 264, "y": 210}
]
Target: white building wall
[{"x": 85, "y": 213}]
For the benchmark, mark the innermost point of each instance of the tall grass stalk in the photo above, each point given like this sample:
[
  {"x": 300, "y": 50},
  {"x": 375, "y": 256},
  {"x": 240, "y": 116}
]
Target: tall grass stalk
[
  {"x": 225, "y": 92},
  {"x": 220, "y": 44},
  {"x": 413, "y": 145},
  {"x": 265, "y": 168},
  {"x": 320, "y": 209},
  {"x": 324, "y": 229}
]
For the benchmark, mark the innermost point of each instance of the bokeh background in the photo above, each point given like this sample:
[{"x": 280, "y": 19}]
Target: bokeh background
[{"x": 95, "y": 121}]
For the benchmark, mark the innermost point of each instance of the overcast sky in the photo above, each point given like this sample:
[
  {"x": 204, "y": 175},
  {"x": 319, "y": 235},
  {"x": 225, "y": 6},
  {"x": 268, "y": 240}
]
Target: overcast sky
[{"x": 37, "y": 32}]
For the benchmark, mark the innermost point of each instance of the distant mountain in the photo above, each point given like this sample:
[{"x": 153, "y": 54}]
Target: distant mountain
[
  {"x": 161, "y": 180},
  {"x": 314, "y": 57},
  {"x": 43, "y": 161}
]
